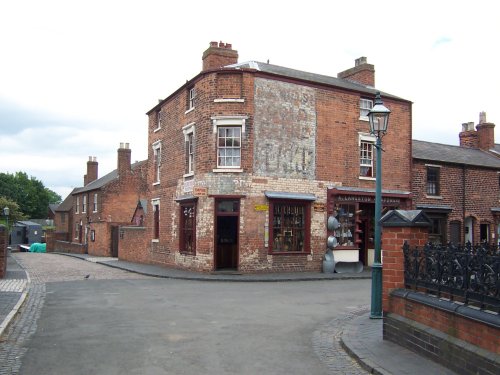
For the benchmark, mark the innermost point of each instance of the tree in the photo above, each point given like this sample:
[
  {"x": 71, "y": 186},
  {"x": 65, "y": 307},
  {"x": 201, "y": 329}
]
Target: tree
[
  {"x": 30, "y": 194},
  {"x": 15, "y": 213}
]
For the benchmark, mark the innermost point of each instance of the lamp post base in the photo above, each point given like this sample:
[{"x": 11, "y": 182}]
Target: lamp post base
[{"x": 376, "y": 305}]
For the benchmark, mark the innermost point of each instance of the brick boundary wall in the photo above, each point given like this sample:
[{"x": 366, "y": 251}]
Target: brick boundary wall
[
  {"x": 3, "y": 251},
  {"x": 70, "y": 247},
  {"x": 132, "y": 244},
  {"x": 458, "y": 337}
]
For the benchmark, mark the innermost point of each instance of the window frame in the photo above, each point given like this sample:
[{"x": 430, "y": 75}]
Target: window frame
[
  {"x": 158, "y": 121},
  {"x": 191, "y": 97},
  {"x": 190, "y": 144},
  {"x": 368, "y": 139},
  {"x": 365, "y": 105},
  {"x": 156, "y": 146},
  {"x": 229, "y": 121},
  {"x": 432, "y": 187},
  {"x": 229, "y": 137},
  {"x": 77, "y": 205},
  {"x": 84, "y": 204},
  {"x": 187, "y": 207},
  {"x": 306, "y": 240},
  {"x": 95, "y": 202}
]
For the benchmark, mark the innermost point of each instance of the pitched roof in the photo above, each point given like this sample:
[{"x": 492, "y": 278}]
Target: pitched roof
[
  {"x": 453, "y": 154},
  {"x": 104, "y": 180},
  {"x": 67, "y": 203},
  {"x": 312, "y": 77}
]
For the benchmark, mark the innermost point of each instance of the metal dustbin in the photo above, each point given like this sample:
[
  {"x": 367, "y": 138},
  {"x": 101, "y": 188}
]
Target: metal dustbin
[{"x": 328, "y": 262}]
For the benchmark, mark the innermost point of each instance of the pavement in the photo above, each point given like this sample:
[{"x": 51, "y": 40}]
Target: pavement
[{"x": 360, "y": 336}]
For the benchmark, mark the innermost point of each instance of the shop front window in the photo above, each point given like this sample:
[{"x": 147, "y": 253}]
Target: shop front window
[{"x": 290, "y": 221}]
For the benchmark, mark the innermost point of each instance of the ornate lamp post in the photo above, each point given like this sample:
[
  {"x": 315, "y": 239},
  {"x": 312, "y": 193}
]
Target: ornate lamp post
[
  {"x": 6, "y": 212},
  {"x": 379, "y": 119}
]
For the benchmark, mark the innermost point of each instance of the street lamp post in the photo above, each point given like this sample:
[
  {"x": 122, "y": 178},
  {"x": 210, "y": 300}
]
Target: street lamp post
[
  {"x": 379, "y": 119},
  {"x": 6, "y": 212}
]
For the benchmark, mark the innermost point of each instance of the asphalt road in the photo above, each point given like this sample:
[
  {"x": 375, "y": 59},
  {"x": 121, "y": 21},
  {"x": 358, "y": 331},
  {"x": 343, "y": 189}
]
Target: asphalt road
[{"x": 161, "y": 326}]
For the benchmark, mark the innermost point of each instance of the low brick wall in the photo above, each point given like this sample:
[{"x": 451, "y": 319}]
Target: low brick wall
[
  {"x": 461, "y": 338},
  {"x": 133, "y": 244},
  {"x": 52, "y": 236},
  {"x": 70, "y": 247},
  {"x": 3, "y": 251}
]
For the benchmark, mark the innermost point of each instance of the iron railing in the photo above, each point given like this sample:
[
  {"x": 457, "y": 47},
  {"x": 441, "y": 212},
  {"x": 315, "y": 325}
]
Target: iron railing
[{"x": 466, "y": 274}]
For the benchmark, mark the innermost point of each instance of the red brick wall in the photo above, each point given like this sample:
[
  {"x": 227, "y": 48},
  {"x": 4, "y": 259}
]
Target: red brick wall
[
  {"x": 473, "y": 332},
  {"x": 133, "y": 247},
  {"x": 463, "y": 328},
  {"x": 481, "y": 192},
  {"x": 70, "y": 247}
]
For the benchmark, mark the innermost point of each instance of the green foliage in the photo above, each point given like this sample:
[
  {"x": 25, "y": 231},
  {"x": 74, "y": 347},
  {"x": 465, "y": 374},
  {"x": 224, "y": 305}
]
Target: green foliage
[
  {"x": 31, "y": 196},
  {"x": 15, "y": 213}
]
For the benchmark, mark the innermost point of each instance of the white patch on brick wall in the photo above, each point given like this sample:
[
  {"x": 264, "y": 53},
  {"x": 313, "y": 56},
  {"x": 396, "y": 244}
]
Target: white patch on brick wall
[{"x": 285, "y": 130}]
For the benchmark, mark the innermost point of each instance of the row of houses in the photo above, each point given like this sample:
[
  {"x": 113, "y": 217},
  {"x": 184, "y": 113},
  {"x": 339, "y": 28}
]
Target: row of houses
[{"x": 247, "y": 160}]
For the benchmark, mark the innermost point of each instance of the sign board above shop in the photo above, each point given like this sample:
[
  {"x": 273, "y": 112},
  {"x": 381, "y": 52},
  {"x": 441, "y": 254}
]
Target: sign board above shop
[
  {"x": 200, "y": 191},
  {"x": 261, "y": 207}
]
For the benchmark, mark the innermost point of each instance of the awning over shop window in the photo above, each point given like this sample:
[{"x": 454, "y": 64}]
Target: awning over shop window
[{"x": 290, "y": 196}]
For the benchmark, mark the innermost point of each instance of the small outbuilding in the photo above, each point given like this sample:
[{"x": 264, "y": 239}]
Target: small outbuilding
[{"x": 25, "y": 233}]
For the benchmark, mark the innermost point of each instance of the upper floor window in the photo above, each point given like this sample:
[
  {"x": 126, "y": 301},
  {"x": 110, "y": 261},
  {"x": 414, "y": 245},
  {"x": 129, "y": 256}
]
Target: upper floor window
[
  {"x": 433, "y": 181},
  {"x": 191, "y": 98},
  {"x": 156, "y": 162},
  {"x": 366, "y": 156},
  {"x": 84, "y": 204},
  {"x": 229, "y": 147},
  {"x": 77, "y": 205},
  {"x": 189, "y": 148},
  {"x": 95, "y": 202},
  {"x": 364, "y": 107},
  {"x": 158, "y": 120}
]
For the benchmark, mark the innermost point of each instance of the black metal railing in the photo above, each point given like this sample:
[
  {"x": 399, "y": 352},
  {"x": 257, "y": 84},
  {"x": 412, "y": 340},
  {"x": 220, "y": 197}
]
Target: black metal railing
[{"x": 467, "y": 274}]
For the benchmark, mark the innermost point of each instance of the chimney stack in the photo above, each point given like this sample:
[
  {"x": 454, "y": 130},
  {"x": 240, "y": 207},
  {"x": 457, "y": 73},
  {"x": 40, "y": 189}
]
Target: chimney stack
[
  {"x": 91, "y": 171},
  {"x": 124, "y": 158},
  {"x": 362, "y": 72},
  {"x": 468, "y": 136},
  {"x": 486, "y": 133},
  {"x": 219, "y": 55}
]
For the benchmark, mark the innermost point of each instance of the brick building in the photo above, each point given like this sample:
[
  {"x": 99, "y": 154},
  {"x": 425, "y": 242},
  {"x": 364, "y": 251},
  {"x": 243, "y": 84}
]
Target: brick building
[
  {"x": 458, "y": 186},
  {"x": 103, "y": 204},
  {"x": 248, "y": 159}
]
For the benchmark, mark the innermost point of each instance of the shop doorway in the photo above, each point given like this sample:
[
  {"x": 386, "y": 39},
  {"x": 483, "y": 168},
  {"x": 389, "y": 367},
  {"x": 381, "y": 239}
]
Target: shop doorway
[
  {"x": 366, "y": 233},
  {"x": 226, "y": 234}
]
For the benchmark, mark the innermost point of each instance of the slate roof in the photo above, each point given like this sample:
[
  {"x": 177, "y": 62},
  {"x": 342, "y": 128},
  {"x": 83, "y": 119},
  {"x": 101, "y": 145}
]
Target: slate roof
[
  {"x": 453, "y": 154},
  {"x": 312, "y": 77},
  {"x": 67, "y": 204},
  {"x": 104, "y": 180}
]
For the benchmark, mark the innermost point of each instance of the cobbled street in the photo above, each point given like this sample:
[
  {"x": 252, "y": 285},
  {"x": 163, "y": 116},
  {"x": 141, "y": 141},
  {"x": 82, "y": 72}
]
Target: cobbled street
[{"x": 85, "y": 318}]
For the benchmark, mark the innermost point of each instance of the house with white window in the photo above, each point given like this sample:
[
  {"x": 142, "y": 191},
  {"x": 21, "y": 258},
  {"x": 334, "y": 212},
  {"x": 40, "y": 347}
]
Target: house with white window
[
  {"x": 458, "y": 187},
  {"x": 98, "y": 208},
  {"x": 249, "y": 159}
]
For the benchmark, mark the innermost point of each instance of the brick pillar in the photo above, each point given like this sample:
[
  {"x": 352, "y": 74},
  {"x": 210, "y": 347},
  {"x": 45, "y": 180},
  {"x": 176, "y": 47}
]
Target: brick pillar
[
  {"x": 3, "y": 251},
  {"x": 50, "y": 240},
  {"x": 399, "y": 227}
]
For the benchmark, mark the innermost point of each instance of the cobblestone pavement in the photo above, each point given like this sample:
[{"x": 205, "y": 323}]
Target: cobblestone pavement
[
  {"x": 327, "y": 345},
  {"x": 43, "y": 268}
]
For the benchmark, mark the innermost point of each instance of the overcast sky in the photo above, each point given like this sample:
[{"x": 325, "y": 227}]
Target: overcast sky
[{"x": 76, "y": 77}]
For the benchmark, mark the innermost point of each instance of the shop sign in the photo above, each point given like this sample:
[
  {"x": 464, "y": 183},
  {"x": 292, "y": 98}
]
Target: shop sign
[
  {"x": 319, "y": 207},
  {"x": 200, "y": 191},
  {"x": 261, "y": 207}
]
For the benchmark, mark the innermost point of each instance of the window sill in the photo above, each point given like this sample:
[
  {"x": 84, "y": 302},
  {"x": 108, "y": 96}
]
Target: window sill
[
  {"x": 229, "y": 100},
  {"x": 157, "y": 129},
  {"x": 186, "y": 253},
  {"x": 227, "y": 170},
  {"x": 189, "y": 110},
  {"x": 364, "y": 118},
  {"x": 155, "y": 240},
  {"x": 190, "y": 174},
  {"x": 368, "y": 178},
  {"x": 289, "y": 253},
  {"x": 156, "y": 183},
  {"x": 433, "y": 196}
]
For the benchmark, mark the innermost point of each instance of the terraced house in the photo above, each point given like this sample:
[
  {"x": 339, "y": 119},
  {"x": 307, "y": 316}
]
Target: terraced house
[
  {"x": 458, "y": 187},
  {"x": 247, "y": 160}
]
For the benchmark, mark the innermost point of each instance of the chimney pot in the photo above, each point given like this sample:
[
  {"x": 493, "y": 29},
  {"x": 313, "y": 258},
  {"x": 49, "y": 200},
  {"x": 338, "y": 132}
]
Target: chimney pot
[
  {"x": 219, "y": 55},
  {"x": 482, "y": 117},
  {"x": 362, "y": 60}
]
